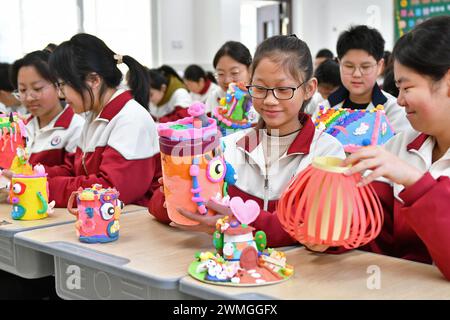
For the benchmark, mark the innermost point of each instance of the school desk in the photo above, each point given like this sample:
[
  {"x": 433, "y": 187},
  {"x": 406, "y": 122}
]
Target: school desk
[
  {"x": 353, "y": 275},
  {"x": 22, "y": 261},
  {"x": 146, "y": 262}
]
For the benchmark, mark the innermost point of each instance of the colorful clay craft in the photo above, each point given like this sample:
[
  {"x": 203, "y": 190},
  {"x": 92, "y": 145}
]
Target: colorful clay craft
[
  {"x": 323, "y": 206},
  {"x": 240, "y": 259},
  {"x": 29, "y": 195},
  {"x": 12, "y": 136},
  {"x": 193, "y": 166},
  {"x": 235, "y": 110},
  {"x": 98, "y": 211},
  {"x": 355, "y": 128}
]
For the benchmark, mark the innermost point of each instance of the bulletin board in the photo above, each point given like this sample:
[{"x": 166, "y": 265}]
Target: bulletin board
[{"x": 409, "y": 13}]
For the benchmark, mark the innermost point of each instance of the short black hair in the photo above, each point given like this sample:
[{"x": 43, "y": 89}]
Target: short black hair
[
  {"x": 426, "y": 48},
  {"x": 5, "y": 83},
  {"x": 236, "y": 50},
  {"x": 325, "y": 53},
  {"x": 361, "y": 37},
  {"x": 328, "y": 72}
]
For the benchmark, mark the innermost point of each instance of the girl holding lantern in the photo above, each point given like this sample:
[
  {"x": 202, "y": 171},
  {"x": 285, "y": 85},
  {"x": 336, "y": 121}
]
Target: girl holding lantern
[{"x": 417, "y": 164}]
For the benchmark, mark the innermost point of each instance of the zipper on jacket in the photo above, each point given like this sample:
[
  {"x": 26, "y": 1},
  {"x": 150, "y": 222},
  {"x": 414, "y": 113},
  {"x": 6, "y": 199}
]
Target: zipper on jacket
[
  {"x": 266, "y": 191},
  {"x": 84, "y": 163}
]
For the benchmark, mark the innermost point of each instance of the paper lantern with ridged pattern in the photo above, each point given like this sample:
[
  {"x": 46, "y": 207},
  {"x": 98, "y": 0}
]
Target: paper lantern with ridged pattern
[{"x": 323, "y": 206}]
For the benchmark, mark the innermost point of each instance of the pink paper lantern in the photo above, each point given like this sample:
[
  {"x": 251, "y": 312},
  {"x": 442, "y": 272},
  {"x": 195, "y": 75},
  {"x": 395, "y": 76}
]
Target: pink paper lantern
[{"x": 324, "y": 206}]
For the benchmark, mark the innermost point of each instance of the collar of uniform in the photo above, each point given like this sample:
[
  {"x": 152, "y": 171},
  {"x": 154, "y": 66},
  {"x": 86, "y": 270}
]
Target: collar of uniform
[
  {"x": 113, "y": 107},
  {"x": 301, "y": 143},
  {"x": 417, "y": 143},
  {"x": 65, "y": 118},
  {"x": 205, "y": 87},
  {"x": 342, "y": 93}
]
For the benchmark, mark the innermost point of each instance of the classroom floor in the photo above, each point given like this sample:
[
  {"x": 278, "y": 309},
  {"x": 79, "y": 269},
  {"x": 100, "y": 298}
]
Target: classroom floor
[{"x": 15, "y": 288}]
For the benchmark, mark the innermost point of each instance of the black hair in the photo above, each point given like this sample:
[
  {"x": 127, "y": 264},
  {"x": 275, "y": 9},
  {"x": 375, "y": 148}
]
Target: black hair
[
  {"x": 50, "y": 47},
  {"x": 161, "y": 76},
  {"x": 426, "y": 48},
  {"x": 361, "y": 37},
  {"x": 325, "y": 53},
  {"x": 37, "y": 59},
  {"x": 328, "y": 72},
  {"x": 389, "y": 82},
  {"x": 195, "y": 73},
  {"x": 291, "y": 53},
  {"x": 5, "y": 79},
  {"x": 73, "y": 61},
  {"x": 236, "y": 50}
]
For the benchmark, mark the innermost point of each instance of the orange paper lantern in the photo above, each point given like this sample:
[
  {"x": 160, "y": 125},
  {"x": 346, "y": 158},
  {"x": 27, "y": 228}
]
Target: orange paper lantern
[{"x": 324, "y": 206}]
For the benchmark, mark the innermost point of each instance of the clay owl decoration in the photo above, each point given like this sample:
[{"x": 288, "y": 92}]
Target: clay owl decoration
[{"x": 98, "y": 211}]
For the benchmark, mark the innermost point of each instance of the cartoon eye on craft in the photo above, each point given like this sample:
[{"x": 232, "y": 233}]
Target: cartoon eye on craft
[
  {"x": 19, "y": 188},
  {"x": 107, "y": 210},
  {"x": 216, "y": 170}
]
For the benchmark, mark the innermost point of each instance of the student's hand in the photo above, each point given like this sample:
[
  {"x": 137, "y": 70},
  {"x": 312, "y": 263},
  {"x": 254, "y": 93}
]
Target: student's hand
[
  {"x": 6, "y": 173},
  {"x": 206, "y": 224},
  {"x": 161, "y": 188},
  {"x": 383, "y": 164},
  {"x": 316, "y": 247}
]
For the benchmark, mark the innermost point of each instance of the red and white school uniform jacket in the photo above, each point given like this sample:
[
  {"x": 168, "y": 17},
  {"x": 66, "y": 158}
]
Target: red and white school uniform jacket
[
  {"x": 49, "y": 145},
  {"x": 244, "y": 151},
  {"x": 209, "y": 89},
  {"x": 416, "y": 219},
  {"x": 174, "y": 109},
  {"x": 118, "y": 148}
]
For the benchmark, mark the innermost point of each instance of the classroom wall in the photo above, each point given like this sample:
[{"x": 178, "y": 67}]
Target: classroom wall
[{"x": 321, "y": 30}]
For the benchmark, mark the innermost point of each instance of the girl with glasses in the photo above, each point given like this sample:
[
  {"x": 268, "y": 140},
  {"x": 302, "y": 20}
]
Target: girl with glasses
[
  {"x": 53, "y": 130},
  {"x": 118, "y": 145},
  {"x": 231, "y": 64},
  {"x": 284, "y": 141}
]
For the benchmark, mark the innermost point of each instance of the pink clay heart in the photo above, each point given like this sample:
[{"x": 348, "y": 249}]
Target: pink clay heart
[{"x": 246, "y": 212}]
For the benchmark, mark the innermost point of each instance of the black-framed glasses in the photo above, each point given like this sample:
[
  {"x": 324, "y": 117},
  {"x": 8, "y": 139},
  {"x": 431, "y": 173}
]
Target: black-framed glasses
[{"x": 281, "y": 93}]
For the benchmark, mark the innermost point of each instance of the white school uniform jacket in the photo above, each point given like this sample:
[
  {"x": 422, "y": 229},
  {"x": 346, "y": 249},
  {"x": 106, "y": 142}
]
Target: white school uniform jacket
[
  {"x": 214, "y": 99},
  {"x": 395, "y": 114},
  {"x": 22, "y": 110},
  {"x": 118, "y": 148},
  {"x": 49, "y": 145}
]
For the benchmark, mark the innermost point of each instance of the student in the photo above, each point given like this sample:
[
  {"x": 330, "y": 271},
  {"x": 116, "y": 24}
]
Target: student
[
  {"x": 360, "y": 53},
  {"x": 169, "y": 98},
  {"x": 231, "y": 64},
  {"x": 328, "y": 80},
  {"x": 322, "y": 56},
  {"x": 416, "y": 224},
  {"x": 282, "y": 144},
  {"x": 201, "y": 84},
  {"x": 118, "y": 145},
  {"x": 8, "y": 101},
  {"x": 52, "y": 130}
]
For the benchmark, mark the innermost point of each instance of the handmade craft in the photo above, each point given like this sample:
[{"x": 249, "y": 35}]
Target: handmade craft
[
  {"x": 323, "y": 206},
  {"x": 240, "y": 259},
  {"x": 355, "y": 128},
  {"x": 12, "y": 136},
  {"x": 193, "y": 166},
  {"x": 235, "y": 110},
  {"x": 98, "y": 211},
  {"x": 29, "y": 195}
]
